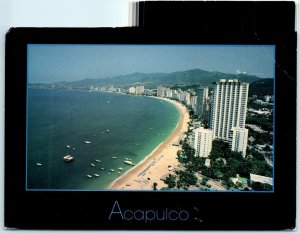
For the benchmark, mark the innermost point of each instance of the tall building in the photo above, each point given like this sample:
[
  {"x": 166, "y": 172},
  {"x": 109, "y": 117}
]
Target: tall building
[
  {"x": 202, "y": 96},
  {"x": 139, "y": 90},
  {"x": 228, "y": 107},
  {"x": 131, "y": 90},
  {"x": 187, "y": 98},
  {"x": 202, "y": 142},
  {"x": 194, "y": 103},
  {"x": 239, "y": 139},
  {"x": 161, "y": 91}
]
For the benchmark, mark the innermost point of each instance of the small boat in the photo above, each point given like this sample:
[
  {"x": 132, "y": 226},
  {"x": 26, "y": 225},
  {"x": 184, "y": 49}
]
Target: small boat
[
  {"x": 97, "y": 175},
  {"x": 68, "y": 146},
  {"x": 39, "y": 164},
  {"x": 87, "y": 142},
  {"x": 120, "y": 169},
  {"x": 107, "y": 102},
  {"x": 112, "y": 170},
  {"x": 107, "y": 131},
  {"x": 114, "y": 157},
  {"x": 119, "y": 172},
  {"x": 89, "y": 176},
  {"x": 93, "y": 165},
  {"x": 73, "y": 148},
  {"x": 108, "y": 173},
  {"x": 98, "y": 161},
  {"x": 68, "y": 158},
  {"x": 129, "y": 162},
  {"x": 102, "y": 168}
]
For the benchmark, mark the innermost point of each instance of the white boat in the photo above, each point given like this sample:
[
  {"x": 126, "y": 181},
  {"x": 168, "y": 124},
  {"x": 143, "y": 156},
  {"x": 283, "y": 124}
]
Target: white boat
[
  {"x": 107, "y": 131},
  {"x": 93, "y": 165},
  {"x": 120, "y": 169},
  {"x": 68, "y": 158},
  {"x": 97, "y": 175},
  {"x": 102, "y": 168},
  {"x": 89, "y": 176},
  {"x": 129, "y": 162},
  {"x": 68, "y": 146},
  {"x": 98, "y": 161},
  {"x": 87, "y": 142},
  {"x": 114, "y": 157},
  {"x": 112, "y": 170},
  {"x": 39, "y": 164}
]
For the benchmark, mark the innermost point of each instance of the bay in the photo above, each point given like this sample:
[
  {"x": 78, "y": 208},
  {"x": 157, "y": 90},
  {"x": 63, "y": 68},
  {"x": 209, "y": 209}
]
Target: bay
[{"x": 118, "y": 126}]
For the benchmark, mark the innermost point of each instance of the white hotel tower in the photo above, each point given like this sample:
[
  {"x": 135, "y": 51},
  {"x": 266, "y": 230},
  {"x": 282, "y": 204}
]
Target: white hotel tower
[
  {"x": 228, "y": 111},
  {"x": 202, "y": 142}
]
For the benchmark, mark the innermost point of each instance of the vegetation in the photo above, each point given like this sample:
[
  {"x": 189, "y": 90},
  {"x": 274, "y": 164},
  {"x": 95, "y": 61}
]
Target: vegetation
[
  {"x": 205, "y": 123},
  {"x": 265, "y": 122},
  {"x": 152, "y": 80},
  {"x": 185, "y": 179},
  {"x": 261, "y": 187},
  {"x": 262, "y": 87},
  {"x": 204, "y": 181},
  {"x": 260, "y": 138},
  {"x": 154, "y": 186},
  {"x": 165, "y": 188},
  {"x": 226, "y": 164},
  {"x": 252, "y": 104},
  {"x": 170, "y": 181}
]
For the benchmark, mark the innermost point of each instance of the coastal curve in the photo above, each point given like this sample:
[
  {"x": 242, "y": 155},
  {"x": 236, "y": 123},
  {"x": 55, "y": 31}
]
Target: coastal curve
[{"x": 160, "y": 162}]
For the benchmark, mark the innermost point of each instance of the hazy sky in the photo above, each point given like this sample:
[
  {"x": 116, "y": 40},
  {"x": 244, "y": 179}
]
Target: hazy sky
[{"x": 51, "y": 63}]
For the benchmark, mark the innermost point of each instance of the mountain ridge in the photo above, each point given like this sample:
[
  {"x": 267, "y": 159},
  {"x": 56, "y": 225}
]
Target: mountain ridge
[{"x": 150, "y": 80}]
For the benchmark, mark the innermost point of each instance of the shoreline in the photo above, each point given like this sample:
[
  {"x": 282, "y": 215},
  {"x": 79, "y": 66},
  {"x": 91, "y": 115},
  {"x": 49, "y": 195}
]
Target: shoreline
[{"x": 159, "y": 163}]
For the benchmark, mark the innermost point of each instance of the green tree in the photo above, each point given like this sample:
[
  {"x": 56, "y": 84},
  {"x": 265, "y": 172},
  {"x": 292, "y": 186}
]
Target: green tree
[
  {"x": 204, "y": 181},
  {"x": 186, "y": 179},
  {"x": 256, "y": 186},
  {"x": 220, "y": 149},
  {"x": 165, "y": 188},
  {"x": 154, "y": 186},
  {"x": 207, "y": 172},
  {"x": 170, "y": 181}
]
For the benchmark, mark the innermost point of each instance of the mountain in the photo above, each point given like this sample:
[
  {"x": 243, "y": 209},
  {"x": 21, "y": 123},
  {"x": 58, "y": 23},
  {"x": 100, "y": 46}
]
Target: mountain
[
  {"x": 262, "y": 87},
  {"x": 150, "y": 80}
]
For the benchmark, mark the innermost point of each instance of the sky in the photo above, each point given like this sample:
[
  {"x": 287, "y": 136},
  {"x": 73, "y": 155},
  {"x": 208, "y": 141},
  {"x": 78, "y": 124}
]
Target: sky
[{"x": 53, "y": 63}]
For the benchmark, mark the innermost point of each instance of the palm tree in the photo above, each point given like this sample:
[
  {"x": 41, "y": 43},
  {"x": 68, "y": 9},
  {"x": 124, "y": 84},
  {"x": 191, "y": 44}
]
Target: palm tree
[{"x": 154, "y": 186}]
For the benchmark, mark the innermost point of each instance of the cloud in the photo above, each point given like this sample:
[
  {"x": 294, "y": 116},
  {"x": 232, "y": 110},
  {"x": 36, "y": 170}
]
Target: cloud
[{"x": 241, "y": 72}]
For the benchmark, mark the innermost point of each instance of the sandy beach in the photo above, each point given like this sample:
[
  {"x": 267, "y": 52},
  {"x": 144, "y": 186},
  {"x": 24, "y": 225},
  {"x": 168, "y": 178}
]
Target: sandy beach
[{"x": 159, "y": 162}]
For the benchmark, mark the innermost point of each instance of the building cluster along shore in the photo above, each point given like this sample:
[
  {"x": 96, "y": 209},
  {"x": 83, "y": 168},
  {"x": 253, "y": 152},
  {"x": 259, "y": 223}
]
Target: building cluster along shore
[
  {"x": 223, "y": 139},
  {"x": 220, "y": 116}
]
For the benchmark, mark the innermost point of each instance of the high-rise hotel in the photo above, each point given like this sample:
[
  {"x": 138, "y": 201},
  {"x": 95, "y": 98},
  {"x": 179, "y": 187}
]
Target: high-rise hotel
[
  {"x": 202, "y": 142},
  {"x": 202, "y": 98},
  {"x": 228, "y": 113}
]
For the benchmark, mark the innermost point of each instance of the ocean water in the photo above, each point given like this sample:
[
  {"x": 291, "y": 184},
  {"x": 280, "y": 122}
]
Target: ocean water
[{"x": 57, "y": 118}]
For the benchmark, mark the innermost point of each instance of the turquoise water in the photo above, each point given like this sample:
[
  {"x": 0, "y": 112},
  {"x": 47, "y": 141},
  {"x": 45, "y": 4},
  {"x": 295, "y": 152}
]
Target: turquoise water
[{"x": 57, "y": 118}]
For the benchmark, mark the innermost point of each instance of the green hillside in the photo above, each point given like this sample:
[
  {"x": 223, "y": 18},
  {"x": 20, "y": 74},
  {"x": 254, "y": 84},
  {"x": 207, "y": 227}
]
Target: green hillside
[
  {"x": 262, "y": 87},
  {"x": 152, "y": 80}
]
